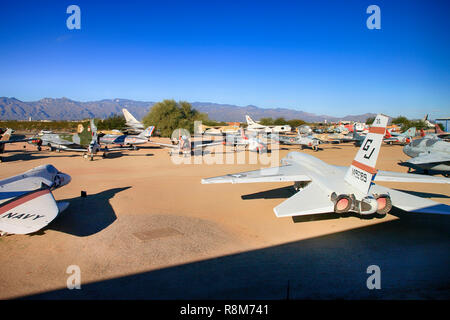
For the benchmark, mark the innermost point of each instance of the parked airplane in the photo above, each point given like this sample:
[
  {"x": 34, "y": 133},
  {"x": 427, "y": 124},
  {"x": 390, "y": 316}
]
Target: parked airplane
[
  {"x": 133, "y": 125},
  {"x": 185, "y": 146},
  {"x": 6, "y": 138},
  {"x": 401, "y": 138},
  {"x": 301, "y": 140},
  {"x": 256, "y": 127},
  {"x": 250, "y": 142},
  {"x": 427, "y": 123},
  {"x": 26, "y": 201},
  {"x": 327, "y": 188},
  {"x": 128, "y": 140},
  {"x": 77, "y": 142},
  {"x": 428, "y": 153}
]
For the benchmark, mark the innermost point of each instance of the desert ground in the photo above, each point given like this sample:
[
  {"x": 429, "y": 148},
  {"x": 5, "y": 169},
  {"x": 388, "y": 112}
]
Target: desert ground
[{"x": 148, "y": 229}]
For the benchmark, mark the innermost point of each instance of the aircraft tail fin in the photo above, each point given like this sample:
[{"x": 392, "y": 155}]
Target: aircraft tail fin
[
  {"x": 422, "y": 133},
  {"x": 7, "y": 135},
  {"x": 128, "y": 116},
  {"x": 438, "y": 129},
  {"x": 411, "y": 132},
  {"x": 147, "y": 133},
  {"x": 93, "y": 130},
  {"x": 362, "y": 170},
  {"x": 249, "y": 120}
]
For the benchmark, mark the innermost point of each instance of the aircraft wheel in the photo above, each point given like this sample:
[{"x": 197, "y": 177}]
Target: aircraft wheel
[
  {"x": 91, "y": 158},
  {"x": 104, "y": 155},
  {"x": 58, "y": 150},
  {"x": 135, "y": 148},
  {"x": 39, "y": 148}
]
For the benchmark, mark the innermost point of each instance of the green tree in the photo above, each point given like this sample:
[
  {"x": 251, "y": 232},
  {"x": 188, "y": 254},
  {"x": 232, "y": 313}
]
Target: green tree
[
  {"x": 266, "y": 121},
  {"x": 169, "y": 115},
  {"x": 370, "y": 120},
  {"x": 294, "y": 123}
]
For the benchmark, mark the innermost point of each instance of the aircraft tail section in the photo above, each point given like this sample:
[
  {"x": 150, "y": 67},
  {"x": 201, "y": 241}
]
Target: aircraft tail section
[
  {"x": 362, "y": 170},
  {"x": 249, "y": 120},
  {"x": 129, "y": 117},
  {"x": 411, "y": 132},
  {"x": 438, "y": 129},
  {"x": 7, "y": 135},
  {"x": 93, "y": 130},
  {"x": 147, "y": 133}
]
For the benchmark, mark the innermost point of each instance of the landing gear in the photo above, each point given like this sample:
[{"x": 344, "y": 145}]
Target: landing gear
[
  {"x": 39, "y": 148},
  {"x": 135, "y": 148}
]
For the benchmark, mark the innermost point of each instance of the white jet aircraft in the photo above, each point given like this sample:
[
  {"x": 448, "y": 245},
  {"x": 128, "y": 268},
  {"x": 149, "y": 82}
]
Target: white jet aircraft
[
  {"x": 325, "y": 188},
  {"x": 256, "y": 127},
  {"x": 131, "y": 123},
  {"x": 26, "y": 200}
]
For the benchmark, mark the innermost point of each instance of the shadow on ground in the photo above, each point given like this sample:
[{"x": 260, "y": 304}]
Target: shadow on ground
[
  {"x": 87, "y": 215},
  {"x": 411, "y": 252}
]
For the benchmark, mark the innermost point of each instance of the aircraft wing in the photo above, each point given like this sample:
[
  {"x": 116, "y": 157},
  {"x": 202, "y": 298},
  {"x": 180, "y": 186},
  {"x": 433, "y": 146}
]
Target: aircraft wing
[
  {"x": 200, "y": 146},
  {"x": 173, "y": 146},
  {"x": 408, "y": 177},
  {"x": 311, "y": 200},
  {"x": 434, "y": 157},
  {"x": 408, "y": 202},
  {"x": 28, "y": 213},
  {"x": 274, "y": 174},
  {"x": 15, "y": 141}
]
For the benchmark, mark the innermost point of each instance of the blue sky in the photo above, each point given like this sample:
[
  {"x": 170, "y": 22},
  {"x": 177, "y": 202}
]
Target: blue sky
[{"x": 316, "y": 56}]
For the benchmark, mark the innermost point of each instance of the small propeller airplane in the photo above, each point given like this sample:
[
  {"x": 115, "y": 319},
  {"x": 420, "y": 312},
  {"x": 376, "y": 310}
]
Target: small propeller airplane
[
  {"x": 325, "y": 188},
  {"x": 26, "y": 200}
]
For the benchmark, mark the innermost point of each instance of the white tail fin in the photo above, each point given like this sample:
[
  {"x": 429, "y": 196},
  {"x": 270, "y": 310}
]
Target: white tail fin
[
  {"x": 93, "y": 130},
  {"x": 147, "y": 133},
  {"x": 128, "y": 116},
  {"x": 249, "y": 120},
  {"x": 362, "y": 170}
]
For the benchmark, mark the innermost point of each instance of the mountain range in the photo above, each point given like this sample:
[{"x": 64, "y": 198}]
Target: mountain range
[{"x": 67, "y": 109}]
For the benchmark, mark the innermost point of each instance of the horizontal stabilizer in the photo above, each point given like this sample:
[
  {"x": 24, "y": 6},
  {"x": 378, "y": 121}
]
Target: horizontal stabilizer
[
  {"x": 408, "y": 177},
  {"x": 410, "y": 203},
  {"x": 273, "y": 174},
  {"x": 311, "y": 200}
]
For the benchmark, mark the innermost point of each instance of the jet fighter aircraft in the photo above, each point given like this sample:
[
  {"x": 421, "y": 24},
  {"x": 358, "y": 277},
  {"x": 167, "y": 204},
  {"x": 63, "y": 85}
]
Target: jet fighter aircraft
[
  {"x": 183, "y": 145},
  {"x": 301, "y": 140},
  {"x": 251, "y": 142},
  {"x": 26, "y": 200},
  {"x": 6, "y": 138},
  {"x": 428, "y": 153},
  {"x": 128, "y": 140},
  {"x": 325, "y": 188},
  {"x": 401, "y": 138}
]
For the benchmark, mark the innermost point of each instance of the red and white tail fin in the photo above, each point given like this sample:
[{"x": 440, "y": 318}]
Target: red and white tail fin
[
  {"x": 243, "y": 136},
  {"x": 438, "y": 129},
  {"x": 362, "y": 170},
  {"x": 388, "y": 134},
  {"x": 422, "y": 133}
]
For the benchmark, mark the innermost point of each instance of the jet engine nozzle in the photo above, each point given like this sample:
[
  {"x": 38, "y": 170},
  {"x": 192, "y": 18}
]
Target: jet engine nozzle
[
  {"x": 384, "y": 203},
  {"x": 342, "y": 203}
]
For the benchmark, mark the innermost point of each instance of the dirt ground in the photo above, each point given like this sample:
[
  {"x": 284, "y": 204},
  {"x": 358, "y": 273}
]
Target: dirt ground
[{"x": 149, "y": 229}]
